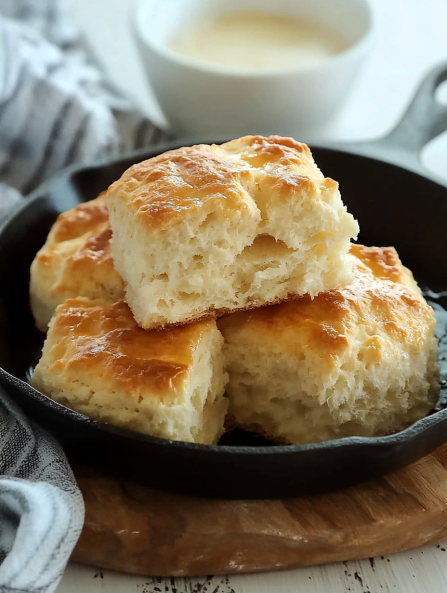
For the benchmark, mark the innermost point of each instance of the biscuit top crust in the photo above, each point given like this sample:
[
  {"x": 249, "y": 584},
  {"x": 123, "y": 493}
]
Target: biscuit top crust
[
  {"x": 88, "y": 217},
  {"x": 81, "y": 237},
  {"x": 384, "y": 263},
  {"x": 383, "y": 301},
  {"x": 215, "y": 178},
  {"x": 95, "y": 337}
]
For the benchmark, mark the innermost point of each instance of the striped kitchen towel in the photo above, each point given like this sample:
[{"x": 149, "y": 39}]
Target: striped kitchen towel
[
  {"x": 56, "y": 108},
  {"x": 41, "y": 507}
]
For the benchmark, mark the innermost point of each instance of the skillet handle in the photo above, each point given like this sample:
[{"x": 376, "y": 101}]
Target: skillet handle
[{"x": 424, "y": 119}]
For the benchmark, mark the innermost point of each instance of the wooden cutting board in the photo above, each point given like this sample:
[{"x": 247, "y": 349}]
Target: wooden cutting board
[{"x": 140, "y": 530}]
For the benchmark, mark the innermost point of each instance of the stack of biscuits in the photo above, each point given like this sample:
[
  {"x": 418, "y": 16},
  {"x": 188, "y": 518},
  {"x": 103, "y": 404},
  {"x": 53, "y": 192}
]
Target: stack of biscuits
[{"x": 217, "y": 286}]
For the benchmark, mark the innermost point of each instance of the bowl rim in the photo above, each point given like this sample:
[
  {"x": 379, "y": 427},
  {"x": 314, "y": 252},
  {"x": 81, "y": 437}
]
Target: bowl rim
[
  {"x": 411, "y": 432},
  {"x": 162, "y": 51}
]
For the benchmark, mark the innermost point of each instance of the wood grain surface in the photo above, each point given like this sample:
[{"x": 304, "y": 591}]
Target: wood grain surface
[{"x": 140, "y": 530}]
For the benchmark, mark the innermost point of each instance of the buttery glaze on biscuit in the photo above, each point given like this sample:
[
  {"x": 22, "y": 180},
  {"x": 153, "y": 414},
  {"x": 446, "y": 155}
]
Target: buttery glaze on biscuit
[
  {"x": 98, "y": 361},
  {"x": 360, "y": 360},
  {"x": 75, "y": 261},
  {"x": 107, "y": 337},
  {"x": 178, "y": 181},
  {"x": 87, "y": 217},
  {"x": 325, "y": 321},
  {"x": 205, "y": 230},
  {"x": 201, "y": 176},
  {"x": 385, "y": 263}
]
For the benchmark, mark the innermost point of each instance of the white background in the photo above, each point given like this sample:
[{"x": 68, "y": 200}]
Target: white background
[{"x": 411, "y": 37}]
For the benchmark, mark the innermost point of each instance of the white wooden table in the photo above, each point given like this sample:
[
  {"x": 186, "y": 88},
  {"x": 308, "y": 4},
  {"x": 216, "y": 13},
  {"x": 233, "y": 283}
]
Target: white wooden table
[{"x": 411, "y": 37}]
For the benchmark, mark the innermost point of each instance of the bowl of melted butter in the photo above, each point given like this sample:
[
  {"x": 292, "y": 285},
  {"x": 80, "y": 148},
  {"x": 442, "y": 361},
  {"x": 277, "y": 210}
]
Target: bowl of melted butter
[{"x": 235, "y": 67}]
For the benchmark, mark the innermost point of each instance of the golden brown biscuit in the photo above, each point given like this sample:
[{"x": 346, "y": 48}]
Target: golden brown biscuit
[
  {"x": 75, "y": 261},
  {"x": 205, "y": 230},
  {"x": 169, "y": 384},
  {"x": 360, "y": 360}
]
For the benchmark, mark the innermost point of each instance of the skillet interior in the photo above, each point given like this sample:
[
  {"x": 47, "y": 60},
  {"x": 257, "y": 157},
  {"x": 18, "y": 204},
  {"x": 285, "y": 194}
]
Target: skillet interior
[{"x": 394, "y": 207}]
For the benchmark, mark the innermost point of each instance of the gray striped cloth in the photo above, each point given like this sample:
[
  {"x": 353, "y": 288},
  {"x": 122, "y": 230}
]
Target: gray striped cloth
[
  {"x": 56, "y": 108},
  {"x": 41, "y": 508}
]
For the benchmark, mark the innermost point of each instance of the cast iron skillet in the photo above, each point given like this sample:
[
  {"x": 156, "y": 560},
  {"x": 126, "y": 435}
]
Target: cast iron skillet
[{"x": 395, "y": 203}]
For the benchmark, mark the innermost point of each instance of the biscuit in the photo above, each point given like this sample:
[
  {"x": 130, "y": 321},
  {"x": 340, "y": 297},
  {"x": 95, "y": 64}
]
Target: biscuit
[
  {"x": 75, "y": 261},
  {"x": 168, "y": 384},
  {"x": 205, "y": 230},
  {"x": 360, "y": 360}
]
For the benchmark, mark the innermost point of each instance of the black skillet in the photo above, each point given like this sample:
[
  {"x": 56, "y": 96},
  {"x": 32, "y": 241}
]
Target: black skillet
[{"x": 395, "y": 203}]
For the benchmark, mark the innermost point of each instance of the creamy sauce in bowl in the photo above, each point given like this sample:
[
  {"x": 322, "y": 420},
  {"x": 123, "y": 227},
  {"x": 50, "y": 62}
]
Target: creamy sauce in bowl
[{"x": 258, "y": 40}]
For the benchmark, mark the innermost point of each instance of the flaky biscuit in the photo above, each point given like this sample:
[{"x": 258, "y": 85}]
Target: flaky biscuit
[
  {"x": 74, "y": 261},
  {"x": 360, "y": 360},
  {"x": 204, "y": 230},
  {"x": 168, "y": 384}
]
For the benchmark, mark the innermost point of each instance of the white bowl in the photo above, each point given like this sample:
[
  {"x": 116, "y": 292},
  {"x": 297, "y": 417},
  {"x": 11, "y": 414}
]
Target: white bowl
[{"x": 203, "y": 99}]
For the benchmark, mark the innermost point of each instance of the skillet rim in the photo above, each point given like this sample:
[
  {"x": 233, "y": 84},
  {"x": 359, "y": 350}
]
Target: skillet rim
[{"x": 407, "y": 435}]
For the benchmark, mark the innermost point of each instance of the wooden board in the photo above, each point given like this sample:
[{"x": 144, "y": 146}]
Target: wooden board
[{"x": 140, "y": 530}]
